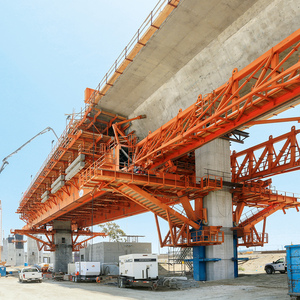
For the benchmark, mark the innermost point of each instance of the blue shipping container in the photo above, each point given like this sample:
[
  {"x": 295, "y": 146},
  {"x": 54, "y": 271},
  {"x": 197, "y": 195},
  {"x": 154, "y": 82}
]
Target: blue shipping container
[
  {"x": 3, "y": 271},
  {"x": 293, "y": 269}
]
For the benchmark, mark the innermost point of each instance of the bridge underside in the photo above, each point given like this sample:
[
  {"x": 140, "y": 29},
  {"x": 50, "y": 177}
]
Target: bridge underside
[{"x": 189, "y": 29}]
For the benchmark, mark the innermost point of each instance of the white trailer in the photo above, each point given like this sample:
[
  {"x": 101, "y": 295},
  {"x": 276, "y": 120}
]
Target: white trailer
[
  {"x": 86, "y": 270},
  {"x": 138, "y": 270}
]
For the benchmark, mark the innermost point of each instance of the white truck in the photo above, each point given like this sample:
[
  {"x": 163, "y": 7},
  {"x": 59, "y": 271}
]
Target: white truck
[
  {"x": 138, "y": 270},
  {"x": 278, "y": 265},
  {"x": 30, "y": 274},
  {"x": 86, "y": 271}
]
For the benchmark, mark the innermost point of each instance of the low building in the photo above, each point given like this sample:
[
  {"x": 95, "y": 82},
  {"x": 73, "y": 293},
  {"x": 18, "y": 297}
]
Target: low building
[
  {"x": 109, "y": 252},
  {"x": 13, "y": 250}
]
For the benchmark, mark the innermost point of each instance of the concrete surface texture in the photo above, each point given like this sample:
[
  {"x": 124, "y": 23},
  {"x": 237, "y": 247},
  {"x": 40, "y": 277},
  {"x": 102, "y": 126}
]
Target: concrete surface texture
[
  {"x": 34, "y": 256},
  {"x": 108, "y": 252},
  {"x": 251, "y": 34},
  {"x": 63, "y": 242},
  {"x": 214, "y": 159},
  {"x": 188, "y": 30}
]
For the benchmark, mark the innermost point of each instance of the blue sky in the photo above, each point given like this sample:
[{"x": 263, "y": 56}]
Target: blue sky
[{"x": 50, "y": 52}]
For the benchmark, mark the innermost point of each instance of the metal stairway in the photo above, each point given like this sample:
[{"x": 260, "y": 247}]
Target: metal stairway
[{"x": 153, "y": 204}]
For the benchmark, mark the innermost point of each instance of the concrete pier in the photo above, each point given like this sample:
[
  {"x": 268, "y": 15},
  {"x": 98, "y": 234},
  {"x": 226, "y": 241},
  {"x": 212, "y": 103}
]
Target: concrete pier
[
  {"x": 214, "y": 159},
  {"x": 34, "y": 256},
  {"x": 63, "y": 243}
]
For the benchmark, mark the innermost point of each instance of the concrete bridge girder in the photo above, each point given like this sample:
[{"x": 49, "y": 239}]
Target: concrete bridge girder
[
  {"x": 188, "y": 30},
  {"x": 262, "y": 26}
]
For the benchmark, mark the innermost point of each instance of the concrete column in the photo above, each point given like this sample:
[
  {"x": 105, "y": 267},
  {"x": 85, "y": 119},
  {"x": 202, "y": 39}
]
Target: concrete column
[
  {"x": 63, "y": 243},
  {"x": 214, "y": 159},
  {"x": 34, "y": 256}
]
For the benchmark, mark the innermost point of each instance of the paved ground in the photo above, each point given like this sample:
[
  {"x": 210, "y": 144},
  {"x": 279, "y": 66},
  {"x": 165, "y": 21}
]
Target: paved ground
[{"x": 246, "y": 287}]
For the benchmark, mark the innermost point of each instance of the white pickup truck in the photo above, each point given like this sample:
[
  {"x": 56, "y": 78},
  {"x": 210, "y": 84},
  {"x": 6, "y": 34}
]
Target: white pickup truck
[
  {"x": 278, "y": 265},
  {"x": 30, "y": 274}
]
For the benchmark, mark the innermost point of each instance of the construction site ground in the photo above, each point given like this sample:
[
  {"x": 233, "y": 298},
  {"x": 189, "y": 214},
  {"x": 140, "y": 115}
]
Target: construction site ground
[{"x": 252, "y": 283}]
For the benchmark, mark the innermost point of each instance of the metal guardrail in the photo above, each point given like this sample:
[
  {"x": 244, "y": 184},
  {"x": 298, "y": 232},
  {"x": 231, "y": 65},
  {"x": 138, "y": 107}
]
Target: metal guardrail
[
  {"x": 60, "y": 141},
  {"x": 250, "y": 213},
  {"x": 76, "y": 117},
  {"x": 129, "y": 47}
]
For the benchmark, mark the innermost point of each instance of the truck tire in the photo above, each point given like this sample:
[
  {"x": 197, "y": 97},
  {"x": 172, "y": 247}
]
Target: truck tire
[
  {"x": 121, "y": 283},
  {"x": 269, "y": 270},
  {"x": 154, "y": 286},
  {"x": 282, "y": 272}
]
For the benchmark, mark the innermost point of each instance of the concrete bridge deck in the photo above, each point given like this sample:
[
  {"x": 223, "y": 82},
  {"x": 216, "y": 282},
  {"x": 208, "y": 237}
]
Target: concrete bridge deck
[{"x": 194, "y": 51}]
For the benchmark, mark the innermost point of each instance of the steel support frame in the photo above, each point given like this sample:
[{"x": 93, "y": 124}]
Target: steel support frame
[
  {"x": 261, "y": 196},
  {"x": 267, "y": 86},
  {"x": 247, "y": 165},
  {"x": 184, "y": 236},
  {"x": 49, "y": 245}
]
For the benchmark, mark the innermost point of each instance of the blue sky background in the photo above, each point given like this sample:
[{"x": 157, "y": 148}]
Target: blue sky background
[{"x": 50, "y": 51}]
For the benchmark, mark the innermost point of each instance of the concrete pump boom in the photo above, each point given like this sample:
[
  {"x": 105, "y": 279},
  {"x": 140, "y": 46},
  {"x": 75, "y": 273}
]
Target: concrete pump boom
[{"x": 5, "y": 162}]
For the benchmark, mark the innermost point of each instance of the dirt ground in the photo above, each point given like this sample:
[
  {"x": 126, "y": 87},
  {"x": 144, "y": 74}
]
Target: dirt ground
[
  {"x": 252, "y": 283},
  {"x": 256, "y": 262}
]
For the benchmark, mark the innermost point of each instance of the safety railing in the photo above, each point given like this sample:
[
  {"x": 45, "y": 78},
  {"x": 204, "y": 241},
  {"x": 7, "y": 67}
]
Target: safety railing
[
  {"x": 148, "y": 23},
  {"x": 250, "y": 213},
  {"x": 209, "y": 235},
  {"x": 253, "y": 239},
  {"x": 108, "y": 162},
  {"x": 55, "y": 152}
]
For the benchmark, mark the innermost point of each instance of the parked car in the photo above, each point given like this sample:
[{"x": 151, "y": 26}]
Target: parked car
[
  {"x": 30, "y": 274},
  {"x": 278, "y": 265}
]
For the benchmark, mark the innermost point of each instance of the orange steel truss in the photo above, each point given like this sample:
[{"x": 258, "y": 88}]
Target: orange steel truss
[
  {"x": 269, "y": 161},
  {"x": 122, "y": 177},
  {"x": 264, "y": 202},
  {"x": 49, "y": 245},
  {"x": 270, "y": 83}
]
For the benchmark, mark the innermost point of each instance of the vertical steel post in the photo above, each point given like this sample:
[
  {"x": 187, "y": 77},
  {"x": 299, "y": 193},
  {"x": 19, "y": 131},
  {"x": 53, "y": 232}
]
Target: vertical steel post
[
  {"x": 235, "y": 255},
  {"x": 199, "y": 264}
]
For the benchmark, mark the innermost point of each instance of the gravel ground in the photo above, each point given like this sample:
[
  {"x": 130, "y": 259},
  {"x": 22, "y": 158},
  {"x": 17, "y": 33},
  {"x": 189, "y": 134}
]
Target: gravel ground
[
  {"x": 252, "y": 283},
  {"x": 256, "y": 286}
]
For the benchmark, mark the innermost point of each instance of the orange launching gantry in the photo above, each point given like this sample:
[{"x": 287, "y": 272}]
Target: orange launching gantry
[{"x": 99, "y": 172}]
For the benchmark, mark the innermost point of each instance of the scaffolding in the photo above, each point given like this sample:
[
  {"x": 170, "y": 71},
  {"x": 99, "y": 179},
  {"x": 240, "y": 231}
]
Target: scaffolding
[{"x": 180, "y": 261}]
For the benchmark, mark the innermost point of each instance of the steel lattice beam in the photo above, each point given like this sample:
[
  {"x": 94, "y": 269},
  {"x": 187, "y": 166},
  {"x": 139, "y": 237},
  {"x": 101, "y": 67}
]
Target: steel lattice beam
[
  {"x": 254, "y": 92},
  {"x": 270, "y": 160}
]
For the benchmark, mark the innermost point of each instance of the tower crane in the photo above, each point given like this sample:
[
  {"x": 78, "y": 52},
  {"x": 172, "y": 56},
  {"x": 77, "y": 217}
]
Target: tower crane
[{"x": 4, "y": 160}]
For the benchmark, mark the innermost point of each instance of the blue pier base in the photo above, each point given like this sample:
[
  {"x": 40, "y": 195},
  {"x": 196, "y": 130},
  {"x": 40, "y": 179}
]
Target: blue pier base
[
  {"x": 199, "y": 263},
  {"x": 235, "y": 256}
]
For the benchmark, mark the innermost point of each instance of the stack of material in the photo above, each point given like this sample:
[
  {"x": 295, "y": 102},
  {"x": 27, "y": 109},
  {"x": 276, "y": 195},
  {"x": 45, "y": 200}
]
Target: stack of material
[
  {"x": 66, "y": 277},
  {"x": 178, "y": 282},
  {"x": 47, "y": 276}
]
